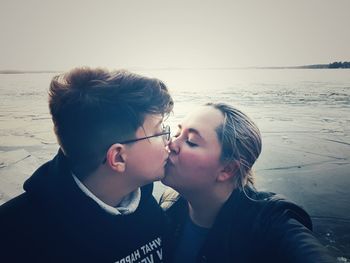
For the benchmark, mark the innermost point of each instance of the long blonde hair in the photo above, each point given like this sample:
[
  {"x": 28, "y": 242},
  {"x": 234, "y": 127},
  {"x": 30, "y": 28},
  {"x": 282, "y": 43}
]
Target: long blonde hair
[{"x": 240, "y": 139}]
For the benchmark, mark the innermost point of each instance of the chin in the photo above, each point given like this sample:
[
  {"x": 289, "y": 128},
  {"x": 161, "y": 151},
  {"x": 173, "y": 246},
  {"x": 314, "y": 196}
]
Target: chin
[
  {"x": 170, "y": 174},
  {"x": 159, "y": 178},
  {"x": 166, "y": 180}
]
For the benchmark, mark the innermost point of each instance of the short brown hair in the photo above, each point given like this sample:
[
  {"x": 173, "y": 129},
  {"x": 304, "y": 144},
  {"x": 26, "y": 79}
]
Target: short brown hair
[{"x": 94, "y": 108}]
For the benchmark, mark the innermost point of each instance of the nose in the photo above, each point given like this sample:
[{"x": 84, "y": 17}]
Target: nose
[{"x": 174, "y": 146}]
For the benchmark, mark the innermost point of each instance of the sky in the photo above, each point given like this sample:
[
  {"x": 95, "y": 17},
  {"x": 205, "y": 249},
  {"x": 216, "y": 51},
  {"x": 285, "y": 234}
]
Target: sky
[{"x": 59, "y": 35}]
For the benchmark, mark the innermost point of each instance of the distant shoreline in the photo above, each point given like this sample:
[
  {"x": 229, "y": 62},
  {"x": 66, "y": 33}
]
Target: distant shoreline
[{"x": 334, "y": 65}]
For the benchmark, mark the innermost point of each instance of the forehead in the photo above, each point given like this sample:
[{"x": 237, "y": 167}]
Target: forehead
[
  {"x": 152, "y": 120},
  {"x": 204, "y": 119}
]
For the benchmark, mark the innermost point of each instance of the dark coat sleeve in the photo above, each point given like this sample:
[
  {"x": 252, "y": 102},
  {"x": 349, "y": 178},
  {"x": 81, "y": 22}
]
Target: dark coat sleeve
[{"x": 288, "y": 231}]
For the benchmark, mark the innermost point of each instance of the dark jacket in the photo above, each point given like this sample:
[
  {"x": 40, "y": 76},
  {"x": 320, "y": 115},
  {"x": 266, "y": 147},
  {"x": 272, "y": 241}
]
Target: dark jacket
[
  {"x": 54, "y": 221},
  {"x": 252, "y": 227}
]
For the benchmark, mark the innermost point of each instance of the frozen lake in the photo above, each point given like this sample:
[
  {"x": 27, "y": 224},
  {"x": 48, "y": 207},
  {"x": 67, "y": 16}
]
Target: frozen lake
[{"x": 303, "y": 114}]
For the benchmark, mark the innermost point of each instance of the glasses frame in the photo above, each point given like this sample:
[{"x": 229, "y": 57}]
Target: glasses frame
[{"x": 166, "y": 131}]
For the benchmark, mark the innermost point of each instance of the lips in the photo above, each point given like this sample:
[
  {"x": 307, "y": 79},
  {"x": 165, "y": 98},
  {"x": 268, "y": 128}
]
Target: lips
[
  {"x": 169, "y": 170},
  {"x": 169, "y": 161},
  {"x": 168, "y": 164}
]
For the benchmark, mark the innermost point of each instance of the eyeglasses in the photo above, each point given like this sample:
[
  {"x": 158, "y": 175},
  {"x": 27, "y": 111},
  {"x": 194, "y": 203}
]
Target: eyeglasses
[{"x": 165, "y": 135}]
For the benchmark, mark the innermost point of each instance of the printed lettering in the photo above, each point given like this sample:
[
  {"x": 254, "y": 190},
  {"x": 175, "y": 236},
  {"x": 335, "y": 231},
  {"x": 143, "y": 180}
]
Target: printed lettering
[
  {"x": 158, "y": 241},
  {"x": 148, "y": 249},
  {"x": 143, "y": 250},
  {"x": 148, "y": 259},
  {"x": 152, "y": 245},
  {"x": 160, "y": 254},
  {"x": 136, "y": 255}
]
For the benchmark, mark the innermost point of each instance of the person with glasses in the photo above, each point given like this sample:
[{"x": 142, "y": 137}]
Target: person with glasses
[
  {"x": 217, "y": 214},
  {"x": 93, "y": 201}
]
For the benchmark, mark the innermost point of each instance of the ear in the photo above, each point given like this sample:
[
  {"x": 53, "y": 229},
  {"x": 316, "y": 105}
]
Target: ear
[
  {"x": 116, "y": 157},
  {"x": 229, "y": 171}
]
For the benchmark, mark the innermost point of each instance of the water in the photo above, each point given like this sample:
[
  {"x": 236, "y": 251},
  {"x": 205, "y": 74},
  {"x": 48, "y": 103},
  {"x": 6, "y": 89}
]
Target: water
[
  {"x": 264, "y": 94},
  {"x": 303, "y": 115}
]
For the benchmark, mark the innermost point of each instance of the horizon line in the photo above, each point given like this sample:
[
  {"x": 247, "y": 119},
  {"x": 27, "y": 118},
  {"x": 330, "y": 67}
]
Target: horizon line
[{"x": 314, "y": 66}]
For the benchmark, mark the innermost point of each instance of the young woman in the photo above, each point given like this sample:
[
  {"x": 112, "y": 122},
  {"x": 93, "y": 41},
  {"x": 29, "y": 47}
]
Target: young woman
[{"x": 219, "y": 216}]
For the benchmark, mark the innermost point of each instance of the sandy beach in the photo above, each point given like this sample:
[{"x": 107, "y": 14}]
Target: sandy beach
[{"x": 306, "y": 143}]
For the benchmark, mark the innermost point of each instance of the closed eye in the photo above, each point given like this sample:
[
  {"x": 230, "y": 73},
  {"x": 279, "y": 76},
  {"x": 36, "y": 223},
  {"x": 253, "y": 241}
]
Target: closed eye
[
  {"x": 176, "y": 135},
  {"x": 191, "y": 144}
]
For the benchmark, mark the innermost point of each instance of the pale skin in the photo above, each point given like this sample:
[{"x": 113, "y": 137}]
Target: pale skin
[
  {"x": 125, "y": 169},
  {"x": 195, "y": 169}
]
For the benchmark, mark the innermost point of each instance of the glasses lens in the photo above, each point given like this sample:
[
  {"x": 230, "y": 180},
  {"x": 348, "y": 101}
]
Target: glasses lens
[{"x": 166, "y": 131}]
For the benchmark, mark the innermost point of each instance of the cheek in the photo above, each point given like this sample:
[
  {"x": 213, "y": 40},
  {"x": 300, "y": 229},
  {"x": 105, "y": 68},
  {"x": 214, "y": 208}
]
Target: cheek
[
  {"x": 159, "y": 154},
  {"x": 155, "y": 151},
  {"x": 149, "y": 156},
  {"x": 197, "y": 162}
]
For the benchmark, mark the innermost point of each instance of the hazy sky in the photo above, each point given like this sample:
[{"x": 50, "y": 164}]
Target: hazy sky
[{"x": 58, "y": 35}]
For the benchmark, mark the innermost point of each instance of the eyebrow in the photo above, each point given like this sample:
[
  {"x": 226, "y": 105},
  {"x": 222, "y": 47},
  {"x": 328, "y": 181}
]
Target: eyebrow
[{"x": 191, "y": 130}]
